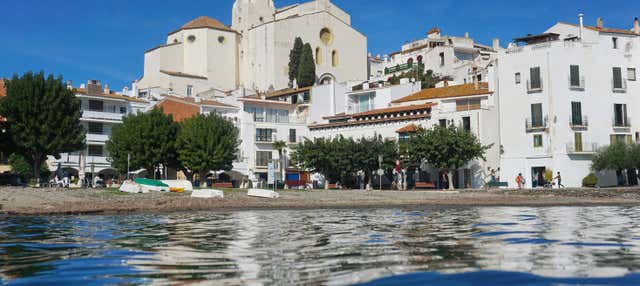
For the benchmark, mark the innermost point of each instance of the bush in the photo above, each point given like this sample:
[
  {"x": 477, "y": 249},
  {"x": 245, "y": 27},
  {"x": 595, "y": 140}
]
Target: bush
[{"x": 590, "y": 181}]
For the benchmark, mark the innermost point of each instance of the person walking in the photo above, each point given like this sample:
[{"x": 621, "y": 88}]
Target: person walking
[
  {"x": 520, "y": 181},
  {"x": 559, "y": 179}
]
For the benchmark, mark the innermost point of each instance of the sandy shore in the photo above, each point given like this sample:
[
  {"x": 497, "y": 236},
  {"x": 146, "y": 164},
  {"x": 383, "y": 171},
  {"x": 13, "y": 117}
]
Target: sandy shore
[{"x": 54, "y": 201}]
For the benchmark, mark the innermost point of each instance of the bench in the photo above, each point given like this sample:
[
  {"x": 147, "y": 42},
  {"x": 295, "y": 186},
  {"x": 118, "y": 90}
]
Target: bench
[
  {"x": 425, "y": 185},
  {"x": 498, "y": 184},
  {"x": 333, "y": 186},
  {"x": 295, "y": 183},
  {"x": 225, "y": 185}
]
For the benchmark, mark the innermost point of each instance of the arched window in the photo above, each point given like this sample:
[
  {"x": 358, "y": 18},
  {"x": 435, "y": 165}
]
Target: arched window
[
  {"x": 334, "y": 58},
  {"x": 410, "y": 61},
  {"x": 318, "y": 56},
  {"x": 420, "y": 59}
]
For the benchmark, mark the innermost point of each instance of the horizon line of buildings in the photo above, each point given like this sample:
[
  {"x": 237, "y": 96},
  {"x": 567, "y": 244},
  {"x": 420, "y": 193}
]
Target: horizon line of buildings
[{"x": 546, "y": 102}]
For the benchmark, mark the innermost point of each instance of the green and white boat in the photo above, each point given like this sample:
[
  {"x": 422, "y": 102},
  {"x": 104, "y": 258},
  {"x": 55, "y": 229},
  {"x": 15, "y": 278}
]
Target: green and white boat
[{"x": 151, "y": 185}]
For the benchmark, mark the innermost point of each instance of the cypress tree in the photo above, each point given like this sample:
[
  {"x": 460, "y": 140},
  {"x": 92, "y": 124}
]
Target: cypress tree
[
  {"x": 307, "y": 70},
  {"x": 43, "y": 118},
  {"x": 294, "y": 58}
]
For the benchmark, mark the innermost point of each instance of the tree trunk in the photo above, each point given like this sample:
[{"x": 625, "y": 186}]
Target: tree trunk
[
  {"x": 36, "y": 170},
  {"x": 203, "y": 179},
  {"x": 450, "y": 178}
]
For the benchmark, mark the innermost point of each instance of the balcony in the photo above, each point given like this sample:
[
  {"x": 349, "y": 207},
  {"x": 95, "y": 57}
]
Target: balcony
[
  {"x": 401, "y": 67},
  {"x": 534, "y": 87},
  {"x": 622, "y": 123},
  {"x": 102, "y": 116},
  {"x": 619, "y": 87},
  {"x": 91, "y": 137},
  {"x": 537, "y": 125},
  {"x": 579, "y": 123},
  {"x": 581, "y": 148},
  {"x": 266, "y": 139},
  {"x": 576, "y": 84}
]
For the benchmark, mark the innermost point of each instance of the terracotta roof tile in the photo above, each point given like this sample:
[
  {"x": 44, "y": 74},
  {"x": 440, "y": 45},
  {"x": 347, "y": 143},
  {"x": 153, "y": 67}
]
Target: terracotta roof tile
[
  {"x": 446, "y": 92},
  {"x": 365, "y": 117},
  {"x": 204, "y": 22},
  {"x": 411, "y": 128},
  {"x": 393, "y": 110},
  {"x": 110, "y": 95},
  {"x": 606, "y": 30},
  {"x": 3, "y": 88},
  {"x": 181, "y": 74},
  {"x": 288, "y": 91}
]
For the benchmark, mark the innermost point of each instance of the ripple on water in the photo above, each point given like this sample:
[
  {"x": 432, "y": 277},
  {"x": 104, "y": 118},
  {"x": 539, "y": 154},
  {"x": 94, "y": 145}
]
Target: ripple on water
[{"x": 473, "y": 246}]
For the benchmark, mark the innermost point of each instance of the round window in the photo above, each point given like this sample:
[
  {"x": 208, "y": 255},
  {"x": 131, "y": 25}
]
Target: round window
[
  {"x": 221, "y": 39},
  {"x": 326, "y": 36},
  {"x": 191, "y": 38}
]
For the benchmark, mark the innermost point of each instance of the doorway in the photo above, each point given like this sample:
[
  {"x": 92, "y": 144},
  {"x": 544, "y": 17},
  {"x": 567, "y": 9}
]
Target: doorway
[{"x": 537, "y": 177}]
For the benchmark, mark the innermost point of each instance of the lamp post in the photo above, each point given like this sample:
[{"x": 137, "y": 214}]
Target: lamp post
[{"x": 380, "y": 159}]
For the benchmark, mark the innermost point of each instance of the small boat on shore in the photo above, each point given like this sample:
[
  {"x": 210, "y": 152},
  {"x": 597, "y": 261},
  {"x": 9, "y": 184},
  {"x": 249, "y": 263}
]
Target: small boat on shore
[
  {"x": 207, "y": 194},
  {"x": 152, "y": 185},
  {"x": 260, "y": 193}
]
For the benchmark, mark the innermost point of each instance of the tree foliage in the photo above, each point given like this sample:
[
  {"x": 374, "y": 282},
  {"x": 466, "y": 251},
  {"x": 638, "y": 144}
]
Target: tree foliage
[
  {"x": 23, "y": 168},
  {"x": 445, "y": 148},
  {"x": 307, "y": 70},
  {"x": 43, "y": 118},
  {"x": 616, "y": 157},
  {"x": 148, "y": 137},
  {"x": 207, "y": 143},
  {"x": 294, "y": 58},
  {"x": 338, "y": 157}
]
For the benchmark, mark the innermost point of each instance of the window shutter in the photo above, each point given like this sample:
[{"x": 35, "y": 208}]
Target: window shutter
[
  {"x": 617, "y": 78},
  {"x": 535, "y": 78},
  {"x": 536, "y": 114},
  {"x": 575, "y": 75},
  {"x": 612, "y": 138},
  {"x": 629, "y": 139},
  {"x": 576, "y": 113}
]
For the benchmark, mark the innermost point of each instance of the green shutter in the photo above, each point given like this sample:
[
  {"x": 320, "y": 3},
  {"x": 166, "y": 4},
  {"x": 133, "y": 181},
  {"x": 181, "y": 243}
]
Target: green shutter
[
  {"x": 575, "y": 75},
  {"x": 617, "y": 78}
]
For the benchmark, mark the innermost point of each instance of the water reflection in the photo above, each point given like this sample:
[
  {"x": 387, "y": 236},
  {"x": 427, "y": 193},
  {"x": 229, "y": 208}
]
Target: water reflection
[{"x": 329, "y": 247}]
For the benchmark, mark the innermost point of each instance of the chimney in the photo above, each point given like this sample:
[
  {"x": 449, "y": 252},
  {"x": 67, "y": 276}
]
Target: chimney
[
  {"x": 581, "y": 17},
  {"x": 599, "y": 22},
  {"x": 466, "y": 35},
  {"x": 106, "y": 89},
  {"x": 496, "y": 44},
  {"x": 197, "y": 99},
  {"x": 636, "y": 26}
]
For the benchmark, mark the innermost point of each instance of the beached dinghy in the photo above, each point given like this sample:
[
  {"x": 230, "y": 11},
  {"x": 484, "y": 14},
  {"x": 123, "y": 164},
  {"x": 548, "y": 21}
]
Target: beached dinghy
[
  {"x": 263, "y": 193},
  {"x": 152, "y": 185},
  {"x": 179, "y": 184},
  {"x": 131, "y": 187},
  {"x": 207, "y": 194}
]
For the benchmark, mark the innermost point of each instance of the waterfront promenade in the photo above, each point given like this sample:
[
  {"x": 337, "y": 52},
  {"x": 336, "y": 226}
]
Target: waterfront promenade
[{"x": 107, "y": 201}]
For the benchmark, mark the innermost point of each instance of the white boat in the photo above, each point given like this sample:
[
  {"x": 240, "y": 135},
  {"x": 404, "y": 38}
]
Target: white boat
[
  {"x": 132, "y": 187},
  {"x": 179, "y": 184},
  {"x": 260, "y": 193},
  {"x": 207, "y": 194}
]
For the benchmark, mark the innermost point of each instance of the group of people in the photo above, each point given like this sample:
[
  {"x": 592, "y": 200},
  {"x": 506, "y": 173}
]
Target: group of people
[{"x": 557, "y": 180}]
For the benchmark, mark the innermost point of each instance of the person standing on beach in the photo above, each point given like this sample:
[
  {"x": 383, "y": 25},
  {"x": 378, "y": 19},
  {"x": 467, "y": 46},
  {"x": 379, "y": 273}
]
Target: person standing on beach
[
  {"x": 520, "y": 181},
  {"x": 559, "y": 179}
]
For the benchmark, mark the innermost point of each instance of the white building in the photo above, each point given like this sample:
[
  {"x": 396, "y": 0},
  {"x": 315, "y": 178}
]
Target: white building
[
  {"x": 204, "y": 55},
  {"x": 563, "y": 94},
  {"x": 101, "y": 109}
]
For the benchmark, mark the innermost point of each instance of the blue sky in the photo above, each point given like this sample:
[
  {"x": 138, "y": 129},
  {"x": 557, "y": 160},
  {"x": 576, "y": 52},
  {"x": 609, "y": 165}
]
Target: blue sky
[{"x": 105, "y": 40}]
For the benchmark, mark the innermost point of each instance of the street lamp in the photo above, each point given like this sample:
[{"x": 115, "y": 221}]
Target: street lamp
[{"x": 380, "y": 159}]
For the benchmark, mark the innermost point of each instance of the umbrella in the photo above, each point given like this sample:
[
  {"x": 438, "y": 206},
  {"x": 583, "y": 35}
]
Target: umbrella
[{"x": 59, "y": 171}]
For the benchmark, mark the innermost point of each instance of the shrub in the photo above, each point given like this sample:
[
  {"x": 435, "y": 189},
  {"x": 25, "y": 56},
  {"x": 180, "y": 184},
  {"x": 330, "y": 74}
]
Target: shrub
[{"x": 590, "y": 180}]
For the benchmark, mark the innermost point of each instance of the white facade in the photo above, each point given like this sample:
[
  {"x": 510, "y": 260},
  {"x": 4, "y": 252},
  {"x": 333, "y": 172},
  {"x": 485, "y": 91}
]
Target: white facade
[{"x": 560, "y": 138}]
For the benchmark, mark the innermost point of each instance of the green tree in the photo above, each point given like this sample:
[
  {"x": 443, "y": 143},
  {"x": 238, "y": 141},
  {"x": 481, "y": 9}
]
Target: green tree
[
  {"x": 365, "y": 152},
  {"x": 149, "y": 138},
  {"x": 307, "y": 70},
  {"x": 207, "y": 143},
  {"x": 280, "y": 146},
  {"x": 43, "y": 118},
  {"x": 445, "y": 148},
  {"x": 294, "y": 58},
  {"x": 21, "y": 167},
  {"x": 427, "y": 79},
  {"x": 617, "y": 157},
  {"x": 318, "y": 156}
]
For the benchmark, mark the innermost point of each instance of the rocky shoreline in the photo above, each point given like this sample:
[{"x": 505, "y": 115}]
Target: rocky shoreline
[{"x": 28, "y": 201}]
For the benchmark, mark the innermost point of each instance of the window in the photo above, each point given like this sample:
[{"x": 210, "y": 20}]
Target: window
[
  {"x": 123, "y": 110},
  {"x": 306, "y": 96},
  {"x": 534, "y": 74},
  {"x": 94, "y": 150},
  {"x": 574, "y": 75},
  {"x": 334, "y": 58},
  {"x": 264, "y": 135},
  {"x": 191, "y": 38},
  {"x": 442, "y": 122},
  {"x": 441, "y": 59},
  {"x": 326, "y": 36},
  {"x": 631, "y": 74},
  {"x": 318, "y": 56},
  {"x": 263, "y": 158},
  {"x": 95, "y": 128},
  {"x": 637, "y": 137},
  {"x": 576, "y": 113},
  {"x": 518, "y": 78},
  {"x": 96, "y": 105},
  {"x": 617, "y": 77},
  {"x": 620, "y": 115},
  {"x": 272, "y": 114},
  {"x": 221, "y": 39},
  {"x": 537, "y": 140},
  {"x": 292, "y": 136},
  {"x": 258, "y": 114},
  {"x": 468, "y": 104},
  {"x": 404, "y": 137},
  {"x": 624, "y": 138},
  {"x": 283, "y": 116},
  {"x": 189, "y": 90},
  {"x": 614, "y": 43},
  {"x": 536, "y": 115},
  {"x": 364, "y": 101},
  {"x": 466, "y": 123}
]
